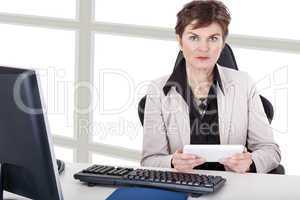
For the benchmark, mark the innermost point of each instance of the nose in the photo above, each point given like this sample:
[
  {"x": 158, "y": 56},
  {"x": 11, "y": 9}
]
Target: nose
[{"x": 202, "y": 46}]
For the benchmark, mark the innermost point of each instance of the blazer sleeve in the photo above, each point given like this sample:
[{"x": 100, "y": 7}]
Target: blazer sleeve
[
  {"x": 155, "y": 151},
  {"x": 265, "y": 152}
]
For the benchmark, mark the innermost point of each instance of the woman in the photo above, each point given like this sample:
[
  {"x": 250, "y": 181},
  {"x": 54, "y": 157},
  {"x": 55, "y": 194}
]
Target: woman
[{"x": 202, "y": 102}]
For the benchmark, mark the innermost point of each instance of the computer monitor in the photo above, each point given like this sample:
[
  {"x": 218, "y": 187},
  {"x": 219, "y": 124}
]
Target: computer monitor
[{"x": 28, "y": 165}]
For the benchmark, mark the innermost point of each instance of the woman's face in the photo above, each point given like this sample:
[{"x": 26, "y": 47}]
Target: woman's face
[{"x": 202, "y": 47}]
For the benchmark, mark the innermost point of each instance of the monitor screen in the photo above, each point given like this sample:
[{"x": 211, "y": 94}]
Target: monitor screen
[{"x": 28, "y": 165}]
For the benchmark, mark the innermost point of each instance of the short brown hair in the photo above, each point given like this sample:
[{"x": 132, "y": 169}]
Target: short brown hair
[{"x": 204, "y": 12}]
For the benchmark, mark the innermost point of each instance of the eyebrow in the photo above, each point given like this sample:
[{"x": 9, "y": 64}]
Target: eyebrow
[{"x": 214, "y": 34}]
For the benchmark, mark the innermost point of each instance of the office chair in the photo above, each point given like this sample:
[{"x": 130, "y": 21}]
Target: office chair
[{"x": 226, "y": 59}]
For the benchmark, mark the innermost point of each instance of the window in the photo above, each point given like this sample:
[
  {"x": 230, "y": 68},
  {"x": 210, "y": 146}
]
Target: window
[
  {"x": 139, "y": 12},
  {"x": 123, "y": 68},
  {"x": 274, "y": 19},
  {"x": 50, "y": 8},
  {"x": 270, "y": 19},
  {"x": 52, "y": 53}
]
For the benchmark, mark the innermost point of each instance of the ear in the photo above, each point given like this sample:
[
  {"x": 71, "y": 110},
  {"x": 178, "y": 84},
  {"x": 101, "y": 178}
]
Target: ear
[
  {"x": 224, "y": 43},
  {"x": 178, "y": 38}
]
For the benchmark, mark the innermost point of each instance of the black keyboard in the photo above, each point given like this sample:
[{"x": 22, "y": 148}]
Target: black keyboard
[{"x": 176, "y": 181}]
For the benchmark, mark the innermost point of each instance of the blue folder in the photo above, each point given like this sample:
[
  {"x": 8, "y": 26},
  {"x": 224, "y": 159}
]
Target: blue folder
[{"x": 132, "y": 193}]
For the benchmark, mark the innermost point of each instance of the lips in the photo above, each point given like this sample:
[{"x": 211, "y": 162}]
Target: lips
[{"x": 202, "y": 57}]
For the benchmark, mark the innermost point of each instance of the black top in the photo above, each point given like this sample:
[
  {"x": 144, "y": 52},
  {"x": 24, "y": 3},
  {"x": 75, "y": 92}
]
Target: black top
[{"x": 204, "y": 126}]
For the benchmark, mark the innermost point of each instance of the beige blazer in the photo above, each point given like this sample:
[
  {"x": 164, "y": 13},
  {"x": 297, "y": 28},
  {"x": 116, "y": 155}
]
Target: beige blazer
[{"x": 241, "y": 119}]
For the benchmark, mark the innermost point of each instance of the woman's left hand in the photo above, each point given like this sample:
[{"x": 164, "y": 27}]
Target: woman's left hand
[{"x": 238, "y": 163}]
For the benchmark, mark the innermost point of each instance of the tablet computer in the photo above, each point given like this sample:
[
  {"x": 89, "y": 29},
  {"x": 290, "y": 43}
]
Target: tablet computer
[{"x": 213, "y": 153}]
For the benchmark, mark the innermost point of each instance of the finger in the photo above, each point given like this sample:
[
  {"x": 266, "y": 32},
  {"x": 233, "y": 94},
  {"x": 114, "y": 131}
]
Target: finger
[
  {"x": 241, "y": 156},
  {"x": 179, "y": 162},
  {"x": 183, "y": 162},
  {"x": 193, "y": 162},
  {"x": 189, "y": 166},
  {"x": 245, "y": 150},
  {"x": 177, "y": 154},
  {"x": 190, "y": 163},
  {"x": 237, "y": 166},
  {"x": 185, "y": 156},
  {"x": 234, "y": 156},
  {"x": 231, "y": 163},
  {"x": 238, "y": 156},
  {"x": 247, "y": 155},
  {"x": 198, "y": 162},
  {"x": 184, "y": 168}
]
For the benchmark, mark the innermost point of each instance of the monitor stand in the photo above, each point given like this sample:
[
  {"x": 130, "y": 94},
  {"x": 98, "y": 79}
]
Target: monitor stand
[
  {"x": 61, "y": 167},
  {"x": 1, "y": 183},
  {"x": 2, "y": 189}
]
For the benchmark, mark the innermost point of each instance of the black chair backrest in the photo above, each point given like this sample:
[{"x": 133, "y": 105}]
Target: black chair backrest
[
  {"x": 141, "y": 109},
  {"x": 226, "y": 59}
]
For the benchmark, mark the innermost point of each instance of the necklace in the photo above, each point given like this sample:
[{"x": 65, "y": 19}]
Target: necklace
[{"x": 200, "y": 91}]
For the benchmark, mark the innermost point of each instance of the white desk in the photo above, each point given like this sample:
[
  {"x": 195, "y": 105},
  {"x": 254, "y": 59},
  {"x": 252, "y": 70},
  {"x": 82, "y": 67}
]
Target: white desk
[{"x": 238, "y": 186}]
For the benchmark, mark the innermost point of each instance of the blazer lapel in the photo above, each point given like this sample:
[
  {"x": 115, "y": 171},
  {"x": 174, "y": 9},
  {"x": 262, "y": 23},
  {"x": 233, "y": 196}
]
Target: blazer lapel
[
  {"x": 181, "y": 116},
  {"x": 225, "y": 107}
]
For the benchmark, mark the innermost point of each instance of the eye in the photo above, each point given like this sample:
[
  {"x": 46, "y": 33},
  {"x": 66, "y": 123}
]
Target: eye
[
  {"x": 193, "y": 38},
  {"x": 213, "y": 38}
]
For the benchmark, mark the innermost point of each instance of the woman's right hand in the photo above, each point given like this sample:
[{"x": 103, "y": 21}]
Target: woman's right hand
[{"x": 186, "y": 162}]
